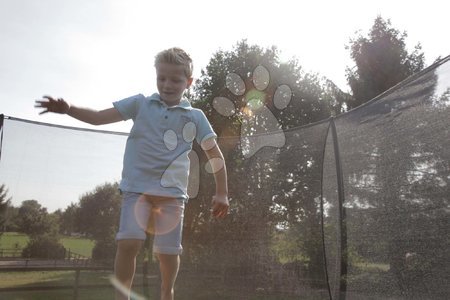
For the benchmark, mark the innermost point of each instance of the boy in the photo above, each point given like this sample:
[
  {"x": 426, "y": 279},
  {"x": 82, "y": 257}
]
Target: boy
[{"x": 156, "y": 166}]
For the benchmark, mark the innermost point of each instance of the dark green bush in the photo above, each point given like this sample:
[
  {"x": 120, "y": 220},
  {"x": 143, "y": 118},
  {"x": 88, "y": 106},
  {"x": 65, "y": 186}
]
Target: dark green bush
[
  {"x": 44, "y": 246},
  {"x": 104, "y": 250}
]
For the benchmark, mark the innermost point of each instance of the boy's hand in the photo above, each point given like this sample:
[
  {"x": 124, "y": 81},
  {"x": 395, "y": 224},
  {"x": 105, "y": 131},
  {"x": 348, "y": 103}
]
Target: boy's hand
[
  {"x": 220, "y": 205},
  {"x": 53, "y": 105}
]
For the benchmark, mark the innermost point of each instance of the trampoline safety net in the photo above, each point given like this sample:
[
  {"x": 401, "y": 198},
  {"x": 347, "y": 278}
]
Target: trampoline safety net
[{"x": 353, "y": 207}]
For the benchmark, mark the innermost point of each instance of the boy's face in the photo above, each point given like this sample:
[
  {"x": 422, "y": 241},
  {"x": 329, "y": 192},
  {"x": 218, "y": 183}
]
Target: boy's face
[{"x": 171, "y": 82}]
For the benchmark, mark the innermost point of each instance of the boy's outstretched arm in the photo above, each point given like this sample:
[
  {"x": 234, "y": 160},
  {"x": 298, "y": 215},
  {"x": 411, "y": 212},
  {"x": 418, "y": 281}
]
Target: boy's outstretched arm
[
  {"x": 220, "y": 202},
  {"x": 87, "y": 115}
]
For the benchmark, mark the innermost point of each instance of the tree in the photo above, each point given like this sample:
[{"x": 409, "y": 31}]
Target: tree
[
  {"x": 68, "y": 219},
  {"x": 99, "y": 211},
  {"x": 397, "y": 187},
  {"x": 11, "y": 218},
  {"x": 98, "y": 216},
  {"x": 312, "y": 98},
  {"x": 381, "y": 61},
  {"x": 34, "y": 220},
  {"x": 4, "y": 203},
  {"x": 271, "y": 191},
  {"x": 42, "y": 228}
]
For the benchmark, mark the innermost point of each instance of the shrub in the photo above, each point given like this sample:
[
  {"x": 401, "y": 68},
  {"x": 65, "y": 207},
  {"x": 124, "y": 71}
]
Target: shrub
[
  {"x": 44, "y": 246},
  {"x": 104, "y": 250}
]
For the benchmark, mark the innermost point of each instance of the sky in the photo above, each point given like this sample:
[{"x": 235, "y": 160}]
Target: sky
[{"x": 94, "y": 52}]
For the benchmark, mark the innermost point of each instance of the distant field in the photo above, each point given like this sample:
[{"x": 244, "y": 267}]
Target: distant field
[
  {"x": 78, "y": 245},
  {"x": 12, "y": 240}
]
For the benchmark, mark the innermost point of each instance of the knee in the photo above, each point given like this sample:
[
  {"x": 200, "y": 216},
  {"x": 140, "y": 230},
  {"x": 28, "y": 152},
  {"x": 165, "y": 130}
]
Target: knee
[
  {"x": 168, "y": 259},
  {"x": 129, "y": 247}
]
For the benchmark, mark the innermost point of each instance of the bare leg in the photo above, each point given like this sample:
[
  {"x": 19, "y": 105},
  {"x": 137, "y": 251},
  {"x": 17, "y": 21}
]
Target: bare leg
[
  {"x": 169, "y": 265},
  {"x": 125, "y": 264}
]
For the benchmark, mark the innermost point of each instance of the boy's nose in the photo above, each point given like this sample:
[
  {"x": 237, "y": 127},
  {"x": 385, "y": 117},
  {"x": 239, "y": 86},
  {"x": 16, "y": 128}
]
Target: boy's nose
[{"x": 167, "y": 86}]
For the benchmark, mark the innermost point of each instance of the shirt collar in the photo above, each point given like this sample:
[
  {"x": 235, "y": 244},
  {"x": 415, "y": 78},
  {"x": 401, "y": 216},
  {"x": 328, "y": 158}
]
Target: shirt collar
[{"x": 184, "y": 103}]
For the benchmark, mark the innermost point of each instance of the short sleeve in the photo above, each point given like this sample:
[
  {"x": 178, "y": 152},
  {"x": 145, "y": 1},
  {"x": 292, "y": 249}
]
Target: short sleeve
[
  {"x": 128, "y": 107},
  {"x": 204, "y": 129}
]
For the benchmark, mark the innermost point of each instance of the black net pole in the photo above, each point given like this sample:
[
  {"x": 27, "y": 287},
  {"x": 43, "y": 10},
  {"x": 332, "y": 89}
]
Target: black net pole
[
  {"x": 2, "y": 118},
  {"x": 342, "y": 216}
]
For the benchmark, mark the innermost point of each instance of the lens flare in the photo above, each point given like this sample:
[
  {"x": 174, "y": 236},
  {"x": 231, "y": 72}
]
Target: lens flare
[
  {"x": 158, "y": 215},
  {"x": 124, "y": 290},
  {"x": 255, "y": 100}
]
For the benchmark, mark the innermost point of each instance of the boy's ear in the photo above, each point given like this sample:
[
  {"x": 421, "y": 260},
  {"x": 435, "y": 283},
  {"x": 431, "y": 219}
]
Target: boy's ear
[{"x": 189, "y": 82}]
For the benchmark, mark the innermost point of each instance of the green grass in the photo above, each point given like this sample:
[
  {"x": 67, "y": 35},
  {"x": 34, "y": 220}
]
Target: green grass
[
  {"x": 52, "y": 278},
  {"x": 55, "y": 279},
  {"x": 373, "y": 266},
  {"x": 84, "y": 294},
  {"x": 187, "y": 288},
  {"x": 108, "y": 293},
  {"x": 78, "y": 245},
  {"x": 12, "y": 240}
]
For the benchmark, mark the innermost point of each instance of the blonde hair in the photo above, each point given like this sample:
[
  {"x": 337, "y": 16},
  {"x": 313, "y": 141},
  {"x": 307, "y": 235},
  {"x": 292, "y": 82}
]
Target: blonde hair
[{"x": 176, "y": 56}]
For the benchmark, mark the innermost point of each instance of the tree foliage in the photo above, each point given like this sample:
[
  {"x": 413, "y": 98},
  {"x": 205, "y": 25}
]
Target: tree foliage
[
  {"x": 104, "y": 250},
  {"x": 34, "y": 220},
  {"x": 4, "y": 203},
  {"x": 68, "y": 219},
  {"x": 381, "y": 61},
  {"x": 45, "y": 247},
  {"x": 99, "y": 211},
  {"x": 11, "y": 218},
  {"x": 313, "y": 97},
  {"x": 272, "y": 197},
  {"x": 397, "y": 186}
]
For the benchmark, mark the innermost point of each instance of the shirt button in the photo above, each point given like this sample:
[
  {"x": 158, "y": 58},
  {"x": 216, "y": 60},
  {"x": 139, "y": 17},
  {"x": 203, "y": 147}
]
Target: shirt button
[{"x": 165, "y": 117}]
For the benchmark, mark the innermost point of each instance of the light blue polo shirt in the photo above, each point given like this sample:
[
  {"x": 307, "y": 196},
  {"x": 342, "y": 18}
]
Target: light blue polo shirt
[{"x": 156, "y": 155}]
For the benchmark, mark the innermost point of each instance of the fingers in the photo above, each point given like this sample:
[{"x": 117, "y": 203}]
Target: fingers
[
  {"x": 51, "y": 104},
  {"x": 44, "y": 103},
  {"x": 41, "y": 104},
  {"x": 49, "y": 98},
  {"x": 220, "y": 208},
  {"x": 219, "y": 211}
]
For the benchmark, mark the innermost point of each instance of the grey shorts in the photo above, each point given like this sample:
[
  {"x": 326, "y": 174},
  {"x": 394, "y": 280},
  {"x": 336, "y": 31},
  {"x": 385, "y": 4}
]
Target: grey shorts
[{"x": 163, "y": 217}]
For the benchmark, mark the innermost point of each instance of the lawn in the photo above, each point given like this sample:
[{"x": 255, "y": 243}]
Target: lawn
[
  {"x": 78, "y": 245},
  {"x": 83, "y": 294},
  {"x": 183, "y": 291},
  {"x": 14, "y": 240},
  {"x": 51, "y": 278},
  {"x": 98, "y": 281},
  {"x": 187, "y": 287},
  {"x": 93, "y": 285}
]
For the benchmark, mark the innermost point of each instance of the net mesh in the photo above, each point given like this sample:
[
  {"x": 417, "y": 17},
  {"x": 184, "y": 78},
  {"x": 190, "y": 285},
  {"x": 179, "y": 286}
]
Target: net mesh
[{"x": 352, "y": 207}]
